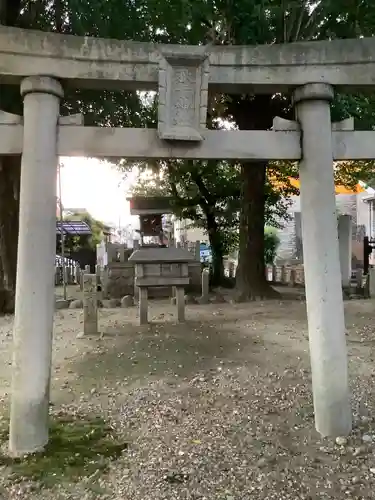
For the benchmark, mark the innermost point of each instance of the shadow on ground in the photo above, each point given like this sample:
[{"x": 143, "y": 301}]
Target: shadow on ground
[{"x": 162, "y": 350}]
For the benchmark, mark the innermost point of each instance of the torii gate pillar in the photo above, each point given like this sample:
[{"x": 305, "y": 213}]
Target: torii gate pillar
[
  {"x": 325, "y": 309},
  {"x": 35, "y": 296}
]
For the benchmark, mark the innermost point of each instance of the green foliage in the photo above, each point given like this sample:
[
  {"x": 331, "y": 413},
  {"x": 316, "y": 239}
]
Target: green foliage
[
  {"x": 207, "y": 190},
  {"x": 78, "y": 447},
  {"x": 200, "y": 189},
  {"x": 271, "y": 243},
  {"x": 74, "y": 243},
  {"x": 257, "y": 22}
]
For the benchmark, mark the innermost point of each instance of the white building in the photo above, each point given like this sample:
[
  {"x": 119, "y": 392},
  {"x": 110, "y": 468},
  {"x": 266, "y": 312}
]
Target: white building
[
  {"x": 359, "y": 206},
  {"x": 183, "y": 231}
]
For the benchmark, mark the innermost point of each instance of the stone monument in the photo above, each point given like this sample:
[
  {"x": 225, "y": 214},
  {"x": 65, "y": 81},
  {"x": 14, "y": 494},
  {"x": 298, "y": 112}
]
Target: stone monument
[{"x": 160, "y": 267}]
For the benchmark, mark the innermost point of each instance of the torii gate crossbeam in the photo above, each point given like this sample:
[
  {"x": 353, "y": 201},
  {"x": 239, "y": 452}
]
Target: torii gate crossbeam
[{"x": 133, "y": 143}]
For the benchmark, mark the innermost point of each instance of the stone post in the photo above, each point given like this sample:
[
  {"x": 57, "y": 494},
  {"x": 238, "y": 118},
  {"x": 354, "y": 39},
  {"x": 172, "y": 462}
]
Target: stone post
[
  {"x": 143, "y": 305},
  {"x": 231, "y": 270},
  {"x": 66, "y": 277},
  {"x": 325, "y": 308},
  {"x": 359, "y": 279},
  {"x": 35, "y": 298},
  {"x": 180, "y": 302},
  {"x": 90, "y": 304},
  {"x": 98, "y": 273},
  {"x": 345, "y": 248},
  {"x": 282, "y": 274},
  {"x": 81, "y": 273},
  {"x": 87, "y": 269},
  {"x": 371, "y": 286},
  {"x": 205, "y": 285},
  {"x": 78, "y": 274},
  {"x": 292, "y": 277}
]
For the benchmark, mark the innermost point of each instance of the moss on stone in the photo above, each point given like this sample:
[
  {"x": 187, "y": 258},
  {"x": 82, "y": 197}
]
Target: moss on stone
[{"x": 78, "y": 447}]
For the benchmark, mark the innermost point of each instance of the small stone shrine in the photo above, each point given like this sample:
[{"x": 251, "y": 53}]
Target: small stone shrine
[
  {"x": 118, "y": 274},
  {"x": 150, "y": 211},
  {"x": 161, "y": 267}
]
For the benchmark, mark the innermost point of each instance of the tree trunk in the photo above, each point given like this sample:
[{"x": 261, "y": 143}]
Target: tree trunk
[
  {"x": 10, "y": 169},
  {"x": 10, "y": 172},
  {"x": 251, "y": 282},
  {"x": 216, "y": 244},
  {"x": 252, "y": 113}
]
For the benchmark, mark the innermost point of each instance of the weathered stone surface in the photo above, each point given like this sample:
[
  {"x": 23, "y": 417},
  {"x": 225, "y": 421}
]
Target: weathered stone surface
[
  {"x": 205, "y": 283},
  {"x": 325, "y": 309},
  {"x": 76, "y": 304},
  {"x": 62, "y": 304},
  {"x": 195, "y": 270},
  {"x": 183, "y": 90},
  {"x": 190, "y": 299},
  {"x": 35, "y": 294},
  {"x": 217, "y": 299},
  {"x": 143, "y": 306},
  {"x": 127, "y": 301},
  {"x": 10, "y": 118},
  {"x": 217, "y": 144},
  {"x": 111, "y": 303},
  {"x": 76, "y": 119},
  {"x": 90, "y": 304},
  {"x": 160, "y": 255},
  {"x": 203, "y": 300},
  {"x": 133, "y": 65},
  {"x": 180, "y": 303},
  {"x": 119, "y": 281}
]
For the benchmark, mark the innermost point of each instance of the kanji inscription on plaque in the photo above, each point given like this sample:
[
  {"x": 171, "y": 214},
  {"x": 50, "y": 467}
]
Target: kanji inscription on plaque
[{"x": 183, "y": 89}]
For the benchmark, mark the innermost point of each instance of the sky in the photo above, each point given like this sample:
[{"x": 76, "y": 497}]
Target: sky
[{"x": 96, "y": 186}]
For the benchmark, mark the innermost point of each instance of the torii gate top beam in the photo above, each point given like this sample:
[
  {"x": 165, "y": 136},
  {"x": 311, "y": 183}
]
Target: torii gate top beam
[{"x": 114, "y": 64}]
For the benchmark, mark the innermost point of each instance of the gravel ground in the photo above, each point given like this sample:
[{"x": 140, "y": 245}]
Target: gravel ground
[{"x": 217, "y": 408}]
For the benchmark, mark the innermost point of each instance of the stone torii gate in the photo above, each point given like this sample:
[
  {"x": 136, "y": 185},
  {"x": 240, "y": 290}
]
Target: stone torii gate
[{"x": 44, "y": 63}]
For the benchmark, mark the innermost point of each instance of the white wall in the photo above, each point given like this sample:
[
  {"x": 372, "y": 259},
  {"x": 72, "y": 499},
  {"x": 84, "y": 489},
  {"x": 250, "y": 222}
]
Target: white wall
[
  {"x": 347, "y": 204},
  {"x": 182, "y": 230}
]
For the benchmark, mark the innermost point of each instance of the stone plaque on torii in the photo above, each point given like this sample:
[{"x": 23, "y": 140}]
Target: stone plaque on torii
[
  {"x": 183, "y": 76},
  {"x": 183, "y": 92}
]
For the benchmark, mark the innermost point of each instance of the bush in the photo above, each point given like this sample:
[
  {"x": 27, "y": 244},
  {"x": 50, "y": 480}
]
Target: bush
[{"x": 271, "y": 243}]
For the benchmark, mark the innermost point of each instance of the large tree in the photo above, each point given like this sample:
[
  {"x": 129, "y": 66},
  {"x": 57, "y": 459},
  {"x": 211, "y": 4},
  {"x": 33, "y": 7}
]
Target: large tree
[
  {"x": 201, "y": 21},
  {"x": 94, "y": 18},
  {"x": 208, "y": 193},
  {"x": 265, "y": 22}
]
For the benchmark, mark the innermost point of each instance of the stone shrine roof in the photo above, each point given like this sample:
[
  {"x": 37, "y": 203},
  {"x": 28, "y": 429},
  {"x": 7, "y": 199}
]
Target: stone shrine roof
[{"x": 169, "y": 254}]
